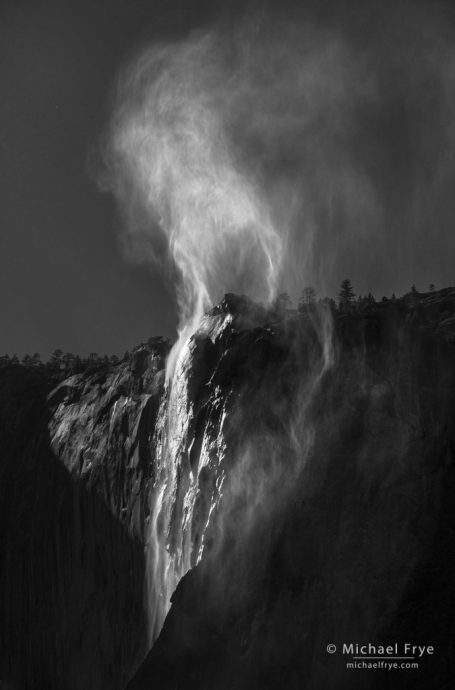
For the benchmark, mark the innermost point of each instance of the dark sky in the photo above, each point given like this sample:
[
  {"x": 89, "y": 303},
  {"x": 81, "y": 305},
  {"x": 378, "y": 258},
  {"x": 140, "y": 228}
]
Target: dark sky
[{"x": 64, "y": 281}]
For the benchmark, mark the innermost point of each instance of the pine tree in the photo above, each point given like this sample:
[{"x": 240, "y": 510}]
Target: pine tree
[
  {"x": 56, "y": 359},
  {"x": 328, "y": 303},
  {"x": 346, "y": 295},
  {"x": 308, "y": 295},
  {"x": 282, "y": 302},
  {"x": 68, "y": 361},
  {"x": 36, "y": 359}
]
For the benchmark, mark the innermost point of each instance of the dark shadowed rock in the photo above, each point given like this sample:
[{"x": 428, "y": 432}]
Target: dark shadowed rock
[
  {"x": 73, "y": 477},
  {"x": 298, "y": 486},
  {"x": 336, "y": 518}
]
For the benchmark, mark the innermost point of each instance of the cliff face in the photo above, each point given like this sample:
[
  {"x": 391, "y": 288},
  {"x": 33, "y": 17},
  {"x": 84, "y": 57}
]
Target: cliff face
[
  {"x": 335, "y": 519},
  {"x": 74, "y": 475},
  {"x": 293, "y": 484}
]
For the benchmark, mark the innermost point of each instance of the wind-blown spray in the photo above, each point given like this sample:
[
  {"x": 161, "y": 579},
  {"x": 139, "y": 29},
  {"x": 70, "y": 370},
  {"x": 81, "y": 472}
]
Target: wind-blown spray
[
  {"x": 223, "y": 149},
  {"x": 171, "y": 140},
  {"x": 196, "y": 128},
  {"x": 235, "y": 157}
]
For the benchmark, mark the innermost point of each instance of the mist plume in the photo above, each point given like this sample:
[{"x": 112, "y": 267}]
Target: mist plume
[
  {"x": 253, "y": 158},
  {"x": 222, "y": 146},
  {"x": 273, "y": 153}
]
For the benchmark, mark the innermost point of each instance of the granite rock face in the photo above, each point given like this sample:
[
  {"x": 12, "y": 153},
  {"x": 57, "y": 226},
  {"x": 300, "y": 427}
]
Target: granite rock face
[
  {"x": 290, "y": 486},
  {"x": 334, "y": 522},
  {"x": 74, "y": 475}
]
